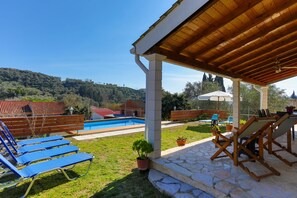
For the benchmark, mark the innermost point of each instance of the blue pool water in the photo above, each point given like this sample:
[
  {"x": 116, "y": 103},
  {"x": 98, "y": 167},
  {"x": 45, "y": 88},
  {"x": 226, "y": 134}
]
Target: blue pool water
[{"x": 111, "y": 123}]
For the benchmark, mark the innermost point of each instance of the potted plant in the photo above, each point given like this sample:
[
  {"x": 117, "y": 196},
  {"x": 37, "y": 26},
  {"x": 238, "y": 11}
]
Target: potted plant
[
  {"x": 215, "y": 129},
  {"x": 181, "y": 141},
  {"x": 229, "y": 127},
  {"x": 143, "y": 148}
]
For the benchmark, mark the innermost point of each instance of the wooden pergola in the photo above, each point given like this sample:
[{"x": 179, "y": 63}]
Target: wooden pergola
[{"x": 254, "y": 41}]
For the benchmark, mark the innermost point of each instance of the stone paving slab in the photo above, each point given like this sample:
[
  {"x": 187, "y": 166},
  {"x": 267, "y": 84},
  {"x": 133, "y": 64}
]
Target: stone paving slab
[
  {"x": 193, "y": 161},
  {"x": 173, "y": 187}
]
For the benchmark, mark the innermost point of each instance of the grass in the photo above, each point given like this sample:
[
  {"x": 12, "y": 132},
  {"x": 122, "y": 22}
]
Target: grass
[{"x": 113, "y": 172}]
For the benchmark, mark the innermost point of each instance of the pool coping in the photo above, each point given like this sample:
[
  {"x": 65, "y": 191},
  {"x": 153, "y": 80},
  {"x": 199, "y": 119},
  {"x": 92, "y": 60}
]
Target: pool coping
[{"x": 94, "y": 131}]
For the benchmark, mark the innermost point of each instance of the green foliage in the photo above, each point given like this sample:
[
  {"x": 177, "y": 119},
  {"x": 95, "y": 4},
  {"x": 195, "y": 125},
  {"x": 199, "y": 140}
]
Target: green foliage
[
  {"x": 193, "y": 90},
  {"x": 79, "y": 104},
  {"x": 216, "y": 128},
  {"x": 143, "y": 148},
  {"x": 181, "y": 138},
  {"x": 250, "y": 103},
  {"x": 19, "y": 84},
  {"x": 217, "y": 80},
  {"x": 171, "y": 101},
  {"x": 241, "y": 121}
]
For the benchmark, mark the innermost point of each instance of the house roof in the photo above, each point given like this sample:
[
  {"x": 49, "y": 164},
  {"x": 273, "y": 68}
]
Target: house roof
[
  {"x": 13, "y": 108},
  {"x": 102, "y": 111},
  {"x": 252, "y": 40}
]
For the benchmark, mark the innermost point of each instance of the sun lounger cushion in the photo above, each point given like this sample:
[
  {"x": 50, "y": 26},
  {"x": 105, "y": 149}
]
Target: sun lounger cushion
[
  {"x": 46, "y": 145},
  {"x": 35, "y": 169},
  {"x": 39, "y": 140},
  {"x": 46, "y": 154}
]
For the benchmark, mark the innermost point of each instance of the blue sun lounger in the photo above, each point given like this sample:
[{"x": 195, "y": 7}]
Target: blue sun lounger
[
  {"x": 37, "y": 147},
  {"x": 39, "y": 155},
  {"x": 41, "y": 146},
  {"x": 34, "y": 170},
  {"x": 6, "y": 132}
]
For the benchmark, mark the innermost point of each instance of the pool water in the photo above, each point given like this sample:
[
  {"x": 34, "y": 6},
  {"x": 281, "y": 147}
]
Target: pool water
[{"x": 111, "y": 123}]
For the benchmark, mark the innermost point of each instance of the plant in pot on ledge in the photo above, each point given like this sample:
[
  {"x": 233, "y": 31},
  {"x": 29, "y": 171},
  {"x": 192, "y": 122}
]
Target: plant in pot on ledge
[
  {"x": 143, "y": 148},
  {"x": 181, "y": 141},
  {"x": 215, "y": 129}
]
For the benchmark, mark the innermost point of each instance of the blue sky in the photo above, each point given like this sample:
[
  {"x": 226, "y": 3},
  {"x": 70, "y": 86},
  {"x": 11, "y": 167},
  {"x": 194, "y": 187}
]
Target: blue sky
[{"x": 86, "y": 39}]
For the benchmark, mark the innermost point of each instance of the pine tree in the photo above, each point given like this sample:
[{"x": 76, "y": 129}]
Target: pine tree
[{"x": 204, "y": 79}]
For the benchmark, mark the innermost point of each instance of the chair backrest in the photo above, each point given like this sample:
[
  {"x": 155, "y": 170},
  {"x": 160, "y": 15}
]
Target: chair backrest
[
  {"x": 260, "y": 113},
  {"x": 253, "y": 125},
  {"x": 7, "y": 148},
  {"x": 9, "y": 140},
  {"x": 263, "y": 113},
  {"x": 283, "y": 125},
  {"x": 10, "y": 166},
  {"x": 268, "y": 114},
  {"x": 215, "y": 117},
  {"x": 230, "y": 119},
  {"x": 8, "y": 133}
]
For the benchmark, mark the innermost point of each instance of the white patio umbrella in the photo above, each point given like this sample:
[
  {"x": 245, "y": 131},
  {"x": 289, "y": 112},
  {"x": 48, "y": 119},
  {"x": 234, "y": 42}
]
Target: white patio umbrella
[{"x": 217, "y": 96}]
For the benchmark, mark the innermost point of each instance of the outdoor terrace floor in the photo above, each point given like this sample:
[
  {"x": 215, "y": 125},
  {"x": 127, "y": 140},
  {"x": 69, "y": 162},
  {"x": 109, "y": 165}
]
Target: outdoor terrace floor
[{"x": 191, "y": 164}]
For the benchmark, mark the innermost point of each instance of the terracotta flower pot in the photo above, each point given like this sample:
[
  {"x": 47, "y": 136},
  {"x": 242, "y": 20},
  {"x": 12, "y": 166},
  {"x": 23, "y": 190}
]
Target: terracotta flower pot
[
  {"x": 181, "y": 142},
  {"x": 229, "y": 127},
  {"x": 142, "y": 164}
]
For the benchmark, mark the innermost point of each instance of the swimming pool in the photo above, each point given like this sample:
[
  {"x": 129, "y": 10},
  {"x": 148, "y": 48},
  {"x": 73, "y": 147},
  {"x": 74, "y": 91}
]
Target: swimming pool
[{"x": 111, "y": 124}]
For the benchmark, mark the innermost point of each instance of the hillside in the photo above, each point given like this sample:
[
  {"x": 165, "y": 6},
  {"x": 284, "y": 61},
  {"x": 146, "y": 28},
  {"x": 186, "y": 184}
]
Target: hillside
[{"x": 27, "y": 85}]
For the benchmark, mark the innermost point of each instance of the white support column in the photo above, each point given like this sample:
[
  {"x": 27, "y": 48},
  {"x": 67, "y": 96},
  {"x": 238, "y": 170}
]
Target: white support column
[
  {"x": 236, "y": 102},
  {"x": 264, "y": 98},
  {"x": 153, "y": 103}
]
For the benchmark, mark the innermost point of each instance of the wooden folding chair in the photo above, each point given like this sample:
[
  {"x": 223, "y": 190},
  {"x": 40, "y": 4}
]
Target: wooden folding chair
[
  {"x": 281, "y": 127},
  {"x": 253, "y": 130}
]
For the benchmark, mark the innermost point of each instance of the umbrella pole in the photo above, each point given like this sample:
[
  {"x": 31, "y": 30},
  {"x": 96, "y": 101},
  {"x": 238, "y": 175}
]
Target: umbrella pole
[{"x": 218, "y": 105}]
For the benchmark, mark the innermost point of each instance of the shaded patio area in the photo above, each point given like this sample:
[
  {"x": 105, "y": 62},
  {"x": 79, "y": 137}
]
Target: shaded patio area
[{"x": 220, "y": 178}]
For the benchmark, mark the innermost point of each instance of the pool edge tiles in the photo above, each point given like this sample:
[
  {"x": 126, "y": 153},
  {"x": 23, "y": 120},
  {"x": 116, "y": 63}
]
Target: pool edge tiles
[{"x": 106, "y": 130}]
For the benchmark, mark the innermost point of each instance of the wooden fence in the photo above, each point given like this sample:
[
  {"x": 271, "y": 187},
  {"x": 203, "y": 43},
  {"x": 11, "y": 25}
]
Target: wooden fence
[
  {"x": 39, "y": 125},
  {"x": 192, "y": 114}
]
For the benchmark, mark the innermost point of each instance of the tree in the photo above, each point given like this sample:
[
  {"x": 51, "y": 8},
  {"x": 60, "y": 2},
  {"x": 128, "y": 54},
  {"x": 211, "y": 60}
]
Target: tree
[
  {"x": 276, "y": 99},
  {"x": 79, "y": 104},
  {"x": 220, "y": 82},
  {"x": 250, "y": 103},
  {"x": 171, "y": 102}
]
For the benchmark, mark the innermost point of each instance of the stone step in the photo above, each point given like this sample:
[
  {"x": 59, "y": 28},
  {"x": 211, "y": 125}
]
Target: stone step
[{"x": 197, "y": 180}]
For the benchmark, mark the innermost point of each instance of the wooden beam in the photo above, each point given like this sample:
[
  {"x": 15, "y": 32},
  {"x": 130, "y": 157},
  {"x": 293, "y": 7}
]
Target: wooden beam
[
  {"x": 260, "y": 46},
  {"x": 263, "y": 71},
  {"x": 243, "y": 6},
  {"x": 188, "y": 62},
  {"x": 271, "y": 51},
  {"x": 284, "y": 57},
  {"x": 240, "y": 40},
  {"x": 284, "y": 75}
]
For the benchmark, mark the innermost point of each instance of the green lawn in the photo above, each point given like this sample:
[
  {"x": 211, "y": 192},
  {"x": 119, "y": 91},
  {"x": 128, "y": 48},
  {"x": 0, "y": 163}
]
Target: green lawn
[{"x": 113, "y": 172}]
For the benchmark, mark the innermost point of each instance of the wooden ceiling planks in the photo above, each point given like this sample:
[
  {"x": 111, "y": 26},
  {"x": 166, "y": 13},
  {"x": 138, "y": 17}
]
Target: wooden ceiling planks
[{"x": 236, "y": 38}]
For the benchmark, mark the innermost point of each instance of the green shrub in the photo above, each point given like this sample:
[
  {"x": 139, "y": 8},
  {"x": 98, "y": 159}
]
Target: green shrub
[{"x": 143, "y": 148}]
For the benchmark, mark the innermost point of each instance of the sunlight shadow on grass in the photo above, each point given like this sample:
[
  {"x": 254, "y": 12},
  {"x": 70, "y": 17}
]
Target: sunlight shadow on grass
[
  {"x": 129, "y": 183},
  {"x": 199, "y": 128},
  {"x": 203, "y": 128}
]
